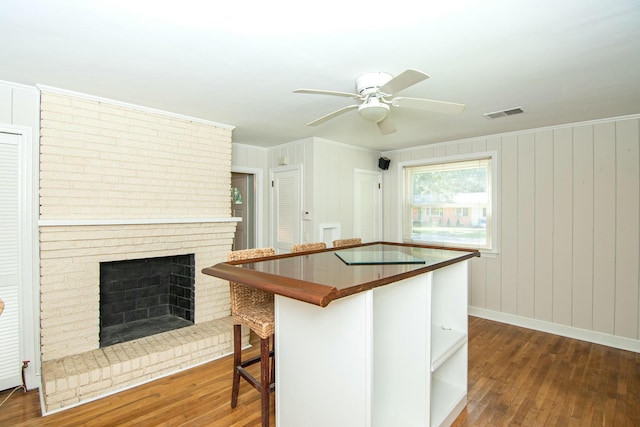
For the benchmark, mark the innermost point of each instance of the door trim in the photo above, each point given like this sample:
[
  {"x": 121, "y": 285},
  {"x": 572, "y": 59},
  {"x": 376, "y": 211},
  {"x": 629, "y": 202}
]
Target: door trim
[
  {"x": 258, "y": 182},
  {"x": 28, "y": 274}
]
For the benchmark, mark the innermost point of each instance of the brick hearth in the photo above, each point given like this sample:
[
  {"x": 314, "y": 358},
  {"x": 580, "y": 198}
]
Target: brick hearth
[{"x": 82, "y": 377}]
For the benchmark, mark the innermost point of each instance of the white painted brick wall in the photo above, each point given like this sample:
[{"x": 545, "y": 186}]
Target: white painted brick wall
[
  {"x": 101, "y": 161},
  {"x": 104, "y": 161}
]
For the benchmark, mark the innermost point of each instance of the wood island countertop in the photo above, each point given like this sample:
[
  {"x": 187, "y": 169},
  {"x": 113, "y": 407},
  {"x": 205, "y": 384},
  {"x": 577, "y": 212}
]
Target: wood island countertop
[{"x": 319, "y": 277}]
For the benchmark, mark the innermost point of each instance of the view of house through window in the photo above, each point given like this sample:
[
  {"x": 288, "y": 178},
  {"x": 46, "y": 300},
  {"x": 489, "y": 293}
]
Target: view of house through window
[{"x": 449, "y": 203}]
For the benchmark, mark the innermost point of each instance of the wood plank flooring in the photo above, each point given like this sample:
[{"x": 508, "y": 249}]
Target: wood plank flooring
[
  {"x": 516, "y": 377},
  {"x": 523, "y": 377}
]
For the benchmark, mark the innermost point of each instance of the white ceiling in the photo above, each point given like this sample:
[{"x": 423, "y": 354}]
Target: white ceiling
[{"x": 563, "y": 61}]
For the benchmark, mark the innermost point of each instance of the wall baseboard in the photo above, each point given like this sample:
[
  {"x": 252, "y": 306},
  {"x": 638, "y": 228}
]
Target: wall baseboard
[{"x": 621, "y": 343}]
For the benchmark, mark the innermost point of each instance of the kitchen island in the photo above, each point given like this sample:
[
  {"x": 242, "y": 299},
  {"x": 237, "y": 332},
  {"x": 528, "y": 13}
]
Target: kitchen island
[{"x": 370, "y": 335}]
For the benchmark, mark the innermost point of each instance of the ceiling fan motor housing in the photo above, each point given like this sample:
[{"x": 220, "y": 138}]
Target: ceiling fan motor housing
[{"x": 369, "y": 83}]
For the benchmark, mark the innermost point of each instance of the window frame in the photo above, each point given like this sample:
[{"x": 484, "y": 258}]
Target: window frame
[{"x": 493, "y": 232}]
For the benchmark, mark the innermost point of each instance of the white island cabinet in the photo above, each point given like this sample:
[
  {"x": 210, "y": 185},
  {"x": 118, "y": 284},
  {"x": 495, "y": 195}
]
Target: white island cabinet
[
  {"x": 365, "y": 343},
  {"x": 395, "y": 355}
]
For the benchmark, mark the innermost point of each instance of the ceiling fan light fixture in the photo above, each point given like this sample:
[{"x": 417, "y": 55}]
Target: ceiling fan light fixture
[
  {"x": 373, "y": 111},
  {"x": 376, "y": 93}
]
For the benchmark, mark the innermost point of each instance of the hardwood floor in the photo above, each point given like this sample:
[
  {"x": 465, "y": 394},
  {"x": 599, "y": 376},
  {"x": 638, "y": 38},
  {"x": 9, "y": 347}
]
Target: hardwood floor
[
  {"x": 519, "y": 376},
  {"x": 516, "y": 377},
  {"x": 197, "y": 397}
]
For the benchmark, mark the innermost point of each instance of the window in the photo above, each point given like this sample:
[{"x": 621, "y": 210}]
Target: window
[
  {"x": 462, "y": 211},
  {"x": 449, "y": 203}
]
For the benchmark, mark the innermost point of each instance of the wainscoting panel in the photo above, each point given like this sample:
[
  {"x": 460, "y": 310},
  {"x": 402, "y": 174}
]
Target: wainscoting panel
[{"x": 568, "y": 246}]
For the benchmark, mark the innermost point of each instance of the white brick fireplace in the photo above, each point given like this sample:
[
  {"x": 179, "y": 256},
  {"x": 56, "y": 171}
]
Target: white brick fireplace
[{"x": 119, "y": 182}]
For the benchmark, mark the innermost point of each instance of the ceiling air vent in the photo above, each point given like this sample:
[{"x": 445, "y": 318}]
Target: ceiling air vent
[{"x": 504, "y": 113}]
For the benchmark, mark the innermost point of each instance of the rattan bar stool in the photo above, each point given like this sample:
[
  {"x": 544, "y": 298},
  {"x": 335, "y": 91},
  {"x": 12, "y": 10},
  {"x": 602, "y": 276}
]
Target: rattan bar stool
[
  {"x": 304, "y": 247},
  {"x": 253, "y": 308},
  {"x": 347, "y": 242}
]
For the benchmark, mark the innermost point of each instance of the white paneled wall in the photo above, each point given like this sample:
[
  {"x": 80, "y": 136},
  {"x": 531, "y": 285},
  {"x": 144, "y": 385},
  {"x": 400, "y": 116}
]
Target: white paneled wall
[
  {"x": 569, "y": 227},
  {"x": 327, "y": 182},
  {"x": 627, "y": 215},
  {"x": 19, "y": 105},
  {"x": 333, "y": 184}
]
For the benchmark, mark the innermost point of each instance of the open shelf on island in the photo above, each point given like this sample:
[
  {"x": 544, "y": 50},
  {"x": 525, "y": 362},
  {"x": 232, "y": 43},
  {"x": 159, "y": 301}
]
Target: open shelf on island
[
  {"x": 444, "y": 342},
  {"x": 446, "y": 398}
]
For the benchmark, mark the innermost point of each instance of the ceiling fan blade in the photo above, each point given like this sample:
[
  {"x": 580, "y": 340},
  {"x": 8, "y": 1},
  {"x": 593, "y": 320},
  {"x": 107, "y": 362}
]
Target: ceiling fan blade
[
  {"x": 332, "y": 115},
  {"x": 403, "y": 80},
  {"x": 386, "y": 126},
  {"x": 327, "y": 92},
  {"x": 429, "y": 105}
]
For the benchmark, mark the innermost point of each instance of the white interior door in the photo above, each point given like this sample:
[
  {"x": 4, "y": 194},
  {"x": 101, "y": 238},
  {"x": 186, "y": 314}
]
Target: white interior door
[
  {"x": 367, "y": 205},
  {"x": 10, "y": 365},
  {"x": 286, "y": 208}
]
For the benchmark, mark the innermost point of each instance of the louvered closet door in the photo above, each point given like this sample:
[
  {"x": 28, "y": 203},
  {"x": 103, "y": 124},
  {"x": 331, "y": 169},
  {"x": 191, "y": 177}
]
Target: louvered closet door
[
  {"x": 286, "y": 208},
  {"x": 10, "y": 365}
]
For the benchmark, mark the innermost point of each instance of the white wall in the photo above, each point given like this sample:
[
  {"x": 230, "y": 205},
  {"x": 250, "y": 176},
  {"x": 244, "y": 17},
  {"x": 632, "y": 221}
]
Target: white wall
[
  {"x": 569, "y": 228},
  {"x": 333, "y": 186},
  {"x": 327, "y": 179}
]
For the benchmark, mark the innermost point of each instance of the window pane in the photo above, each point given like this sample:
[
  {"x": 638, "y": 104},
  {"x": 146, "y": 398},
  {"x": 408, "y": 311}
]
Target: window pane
[{"x": 449, "y": 203}]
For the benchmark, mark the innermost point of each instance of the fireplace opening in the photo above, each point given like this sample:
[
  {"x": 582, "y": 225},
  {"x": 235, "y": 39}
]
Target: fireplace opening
[{"x": 144, "y": 297}]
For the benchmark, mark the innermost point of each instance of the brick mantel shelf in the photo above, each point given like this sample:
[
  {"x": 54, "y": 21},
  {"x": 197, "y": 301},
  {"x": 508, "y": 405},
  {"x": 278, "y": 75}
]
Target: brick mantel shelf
[{"x": 132, "y": 221}]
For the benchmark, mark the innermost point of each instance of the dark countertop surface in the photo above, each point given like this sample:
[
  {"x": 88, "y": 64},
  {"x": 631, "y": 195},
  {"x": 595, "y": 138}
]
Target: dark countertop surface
[{"x": 320, "y": 277}]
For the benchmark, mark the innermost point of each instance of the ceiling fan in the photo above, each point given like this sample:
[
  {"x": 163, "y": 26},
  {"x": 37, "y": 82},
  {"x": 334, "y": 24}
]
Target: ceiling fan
[{"x": 376, "y": 91}]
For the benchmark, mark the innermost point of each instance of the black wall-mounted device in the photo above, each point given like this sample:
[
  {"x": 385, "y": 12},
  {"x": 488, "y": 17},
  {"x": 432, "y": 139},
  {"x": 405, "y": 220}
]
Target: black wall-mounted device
[{"x": 383, "y": 163}]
